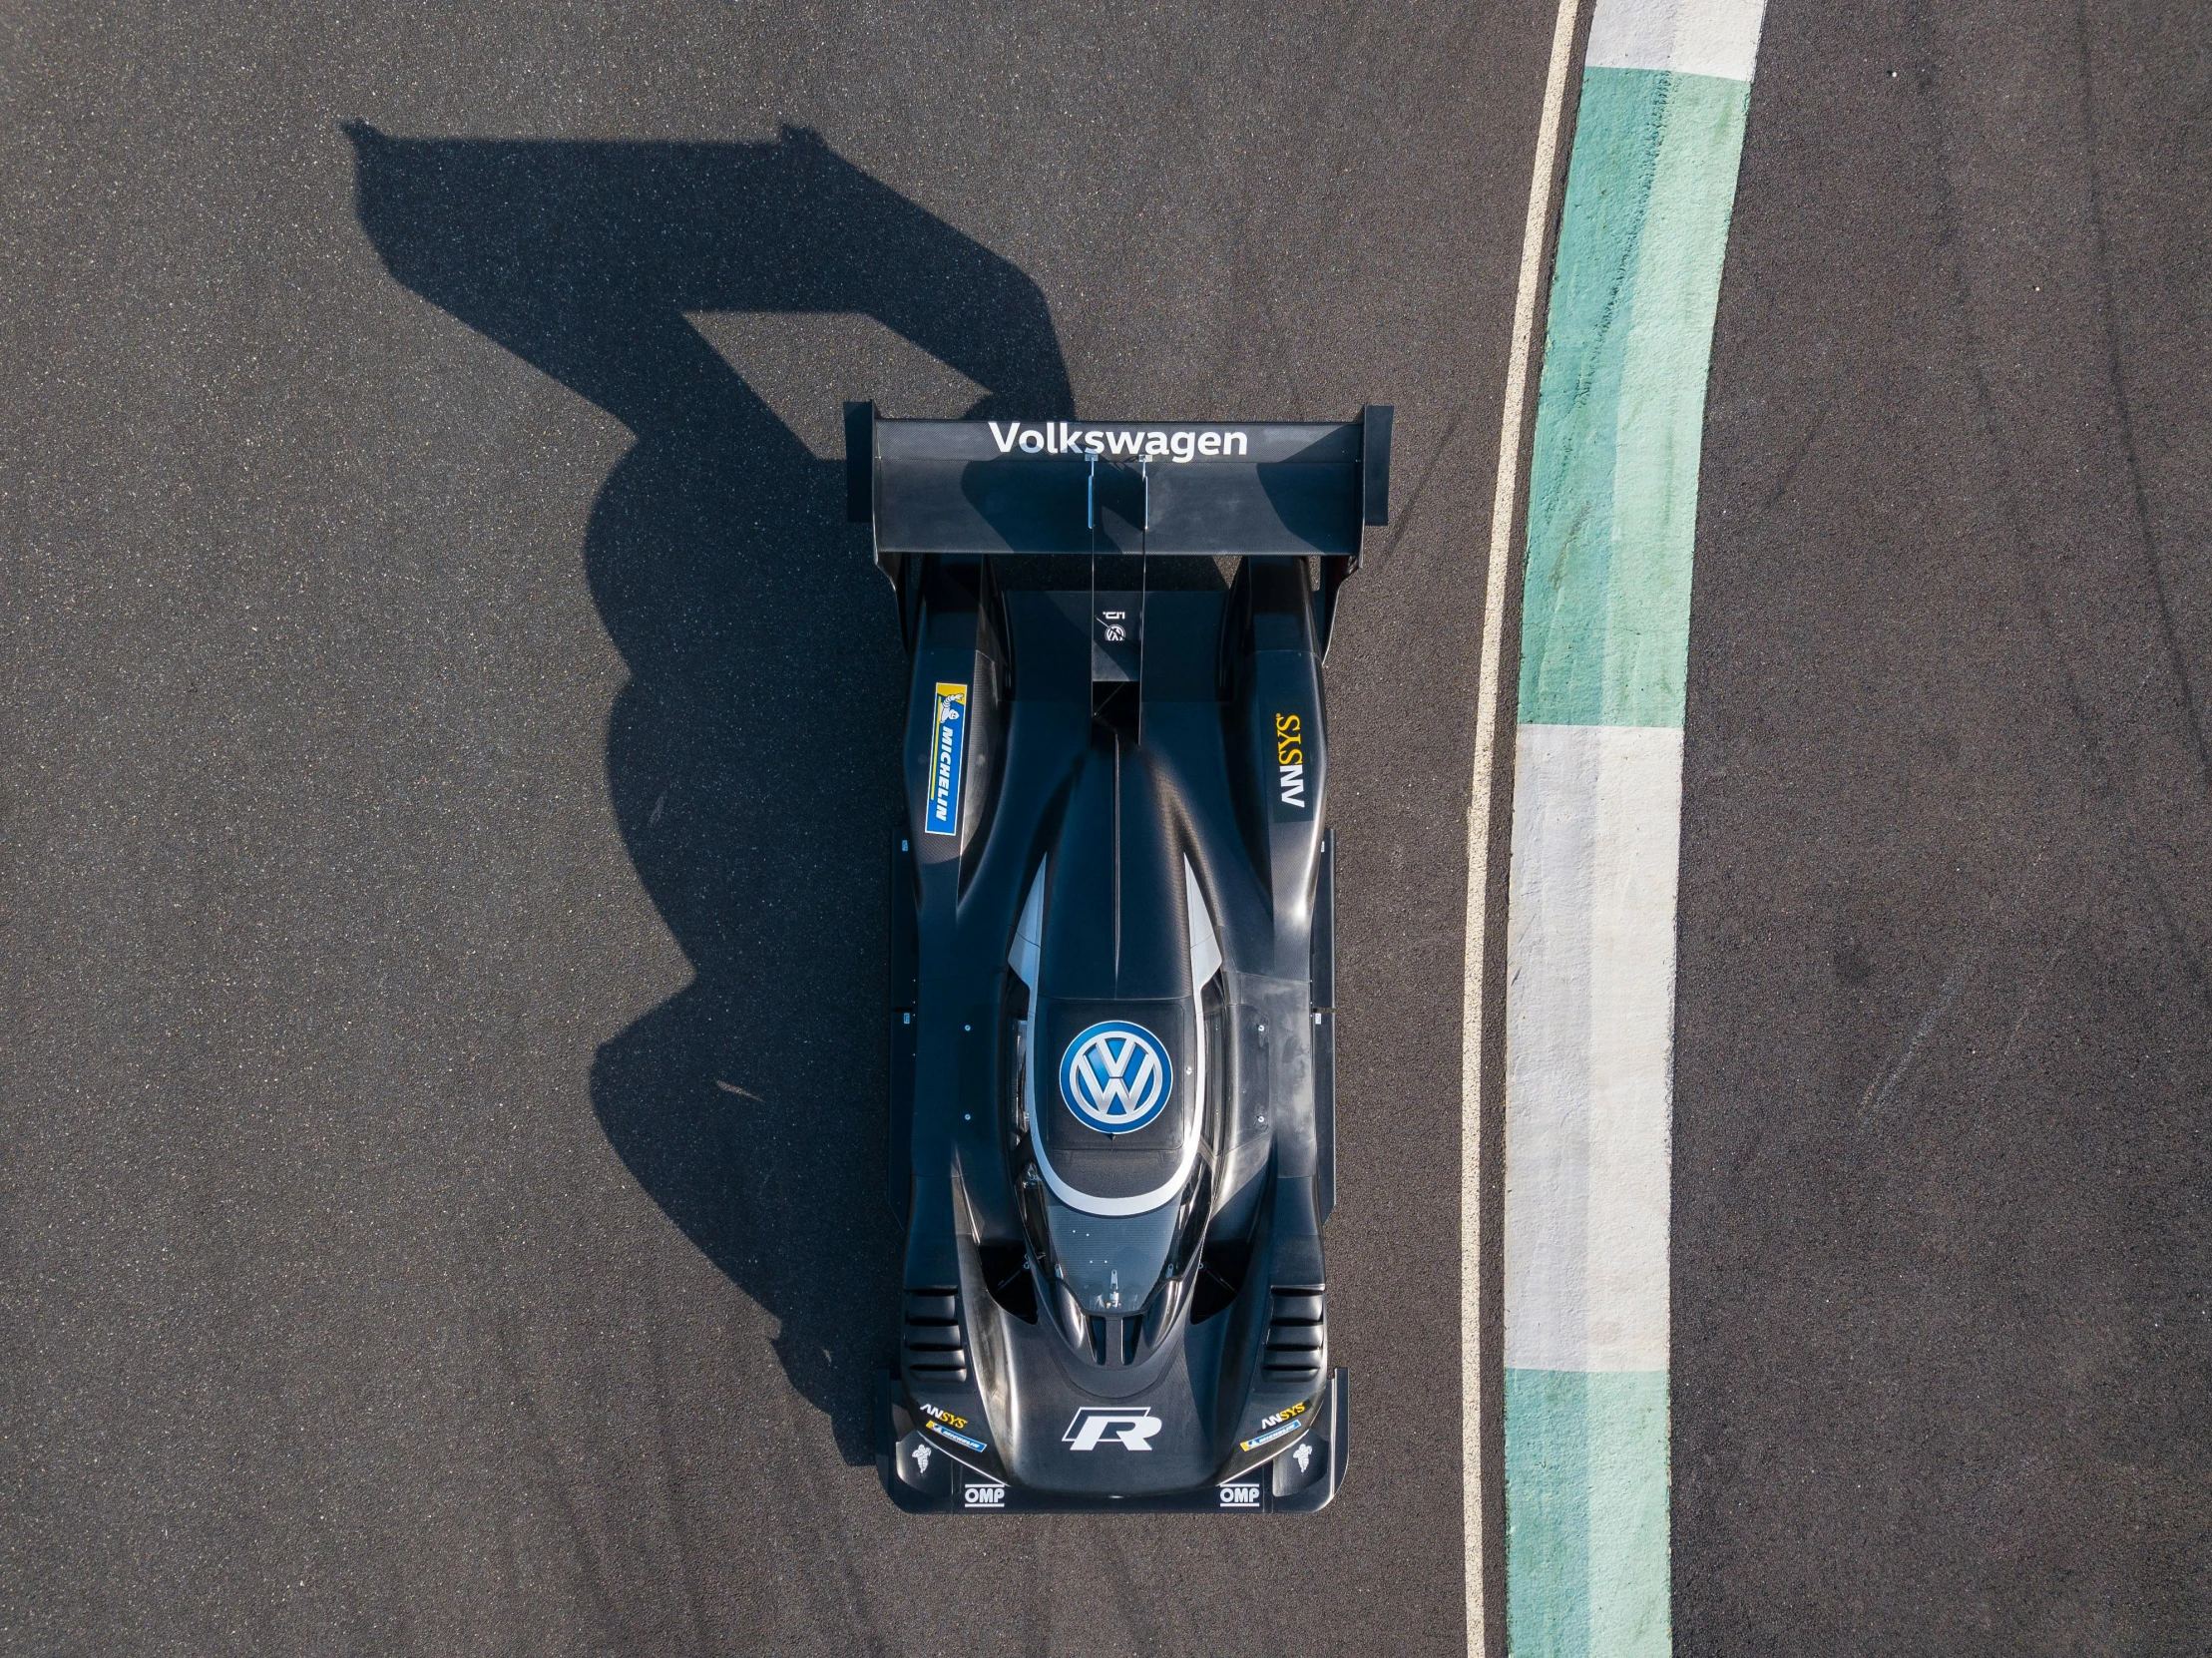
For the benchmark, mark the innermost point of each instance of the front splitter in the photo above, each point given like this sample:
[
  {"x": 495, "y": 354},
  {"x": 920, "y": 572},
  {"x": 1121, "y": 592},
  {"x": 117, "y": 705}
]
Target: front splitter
[{"x": 924, "y": 1478}]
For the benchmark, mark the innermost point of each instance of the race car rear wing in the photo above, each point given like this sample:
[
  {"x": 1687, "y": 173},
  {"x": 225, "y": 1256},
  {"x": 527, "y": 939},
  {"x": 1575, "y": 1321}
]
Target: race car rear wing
[{"x": 984, "y": 487}]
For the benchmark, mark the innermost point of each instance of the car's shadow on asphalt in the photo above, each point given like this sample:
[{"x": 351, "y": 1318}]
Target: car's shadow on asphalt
[{"x": 752, "y": 757}]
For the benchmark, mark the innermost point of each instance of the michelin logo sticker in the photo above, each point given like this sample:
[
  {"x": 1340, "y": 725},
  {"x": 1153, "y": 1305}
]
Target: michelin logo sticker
[
  {"x": 957, "y": 1438},
  {"x": 1258, "y": 1440},
  {"x": 948, "y": 741}
]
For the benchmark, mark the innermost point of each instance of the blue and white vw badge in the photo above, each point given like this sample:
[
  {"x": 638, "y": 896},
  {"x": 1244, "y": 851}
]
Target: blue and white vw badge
[{"x": 1115, "y": 1076}]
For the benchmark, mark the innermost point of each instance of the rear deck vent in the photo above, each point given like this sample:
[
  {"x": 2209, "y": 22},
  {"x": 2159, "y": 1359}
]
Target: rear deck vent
[
  {"x": 1297, "y": 1336},
  {"x": 931, "y": 1344}
]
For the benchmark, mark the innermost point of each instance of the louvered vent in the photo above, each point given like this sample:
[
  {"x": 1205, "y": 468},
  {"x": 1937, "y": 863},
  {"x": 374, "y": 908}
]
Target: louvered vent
[
  {"x": 931, "y": 1344},
  {"x": 1298, "y": 1337}
]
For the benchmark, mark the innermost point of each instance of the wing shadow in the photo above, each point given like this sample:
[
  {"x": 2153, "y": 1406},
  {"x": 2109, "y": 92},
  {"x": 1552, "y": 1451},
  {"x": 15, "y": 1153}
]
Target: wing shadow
[{"x": 752, "y": 757}]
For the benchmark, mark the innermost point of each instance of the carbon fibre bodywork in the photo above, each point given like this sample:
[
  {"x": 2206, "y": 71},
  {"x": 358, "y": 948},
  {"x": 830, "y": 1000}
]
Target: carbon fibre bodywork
[{"x": 1112, "y": 1114}]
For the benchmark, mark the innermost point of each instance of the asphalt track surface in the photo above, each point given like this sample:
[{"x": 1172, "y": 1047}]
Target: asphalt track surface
[
  {"x": 450, "y": 736},
  {"x": 1942, "y": 1190}
]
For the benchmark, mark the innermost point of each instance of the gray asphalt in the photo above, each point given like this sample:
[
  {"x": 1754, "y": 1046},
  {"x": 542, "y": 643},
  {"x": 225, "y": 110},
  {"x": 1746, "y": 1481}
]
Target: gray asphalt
[
  {"x": 1943, "y": 1223},
  {"x": 449, "y": 741}
]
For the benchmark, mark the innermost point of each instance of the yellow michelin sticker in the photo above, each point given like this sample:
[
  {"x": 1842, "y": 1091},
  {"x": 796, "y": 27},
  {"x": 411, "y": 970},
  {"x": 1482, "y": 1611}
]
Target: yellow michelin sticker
[{"x": 948, "y": 744}]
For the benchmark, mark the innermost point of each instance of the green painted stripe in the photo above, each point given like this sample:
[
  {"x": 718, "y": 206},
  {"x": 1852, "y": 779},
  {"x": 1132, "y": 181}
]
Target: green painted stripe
[
  {"x": 1613, "y": 516},
  {"x": 1587, "y": 1513},
  {"x": 1613, "y": 483}
]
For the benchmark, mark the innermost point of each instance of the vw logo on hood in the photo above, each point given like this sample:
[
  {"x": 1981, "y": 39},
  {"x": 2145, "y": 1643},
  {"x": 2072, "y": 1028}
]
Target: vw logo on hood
[{"x": 1115, "y": 1076}]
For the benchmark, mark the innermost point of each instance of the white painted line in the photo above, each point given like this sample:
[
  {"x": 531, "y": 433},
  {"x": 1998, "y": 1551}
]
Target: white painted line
[
  {"x": 1590, "y": 1020},
  {"x": 1689, "y": 37},
  {"x": 1505, "y": 505}
]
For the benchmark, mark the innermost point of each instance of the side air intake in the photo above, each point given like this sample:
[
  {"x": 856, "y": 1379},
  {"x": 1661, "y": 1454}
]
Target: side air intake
[
  {"x": 1298, "y": 1337},
  {"x": 929, "y": 1345}
]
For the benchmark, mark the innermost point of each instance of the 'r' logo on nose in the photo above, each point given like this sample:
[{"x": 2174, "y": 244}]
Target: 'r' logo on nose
[{"x": 1094, "y": 1425}]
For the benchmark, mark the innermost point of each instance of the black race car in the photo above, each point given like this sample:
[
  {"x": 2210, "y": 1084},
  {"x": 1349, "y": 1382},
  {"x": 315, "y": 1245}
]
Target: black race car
[{"x": 1112, "y": 1104}]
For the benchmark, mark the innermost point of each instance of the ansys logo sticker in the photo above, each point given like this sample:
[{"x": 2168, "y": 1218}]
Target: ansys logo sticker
[
  {"x": 948, "y": 737},
  {"x": 1115, "y": 1077},
  {"x": 1290, "y": 759}
]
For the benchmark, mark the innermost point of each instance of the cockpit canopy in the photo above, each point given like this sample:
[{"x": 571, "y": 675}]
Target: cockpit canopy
[{"x": 1116, "y": 948}]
